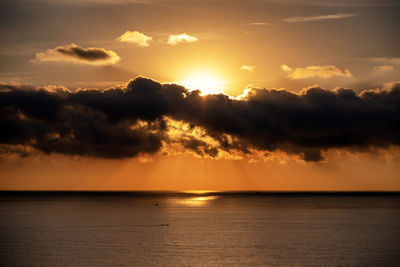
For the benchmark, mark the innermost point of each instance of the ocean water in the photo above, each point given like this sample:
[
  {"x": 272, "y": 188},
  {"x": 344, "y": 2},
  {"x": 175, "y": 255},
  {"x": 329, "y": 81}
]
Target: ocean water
[{"x": 215, "y": 229}]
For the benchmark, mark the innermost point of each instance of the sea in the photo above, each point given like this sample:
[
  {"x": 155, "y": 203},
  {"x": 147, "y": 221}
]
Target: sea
[{"x": 199, "y": 229}]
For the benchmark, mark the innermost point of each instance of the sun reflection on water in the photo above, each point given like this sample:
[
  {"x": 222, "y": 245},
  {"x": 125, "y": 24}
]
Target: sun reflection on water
[
  {"x": 197, "y": 191},
  {"x": 196, "y": 201}
]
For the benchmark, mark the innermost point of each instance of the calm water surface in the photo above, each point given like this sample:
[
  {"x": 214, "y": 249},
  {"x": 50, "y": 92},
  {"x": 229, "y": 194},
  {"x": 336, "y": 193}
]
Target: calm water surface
[{"x": 199, "y": 230}]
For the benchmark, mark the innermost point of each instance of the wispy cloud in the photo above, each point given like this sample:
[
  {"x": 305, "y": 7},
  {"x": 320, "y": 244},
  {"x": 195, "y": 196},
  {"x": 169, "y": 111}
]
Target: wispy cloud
[
  {"x": 135, "y": 37},
  {"x": 386, "y": 60},
  {"x": 175, "y": 39},
  {"x": 322, "y": 17},
  {"x": 77, "y": 54},
  {"x": 102, "y": 2},
  {"x": 257, "y": 24},
  {"x": 248, "y": 68},
  {"x": 335, "y": 3},
  {"x": 384, "y": 68},
  {"x": 326, "y": 71}
]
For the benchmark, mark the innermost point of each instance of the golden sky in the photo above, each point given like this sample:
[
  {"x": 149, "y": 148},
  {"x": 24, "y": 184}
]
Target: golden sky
[{"x": 293, "y": 95}]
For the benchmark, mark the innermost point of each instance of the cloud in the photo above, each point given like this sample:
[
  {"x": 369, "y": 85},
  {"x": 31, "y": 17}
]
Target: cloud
[
  {"x": 181, "y": 38},
  {"x": 135, "y": 37},
  {"x": 384, "y": 68},
  {"x": 391, "y": 84},
  {"x": 248, "y": 68},
  {"x": 101, "y": 2},
  {"x": 319, "y": 18},
  {"x": 143, "y": 117},
  {"x": 286, "y": 68},
  {"x": 257, "y": 24},
  {"x": 326, "y": 71},
  {"x": 77, "y": 54},
  {"x": 386, "y": 60},
  {"x": 334, "y": 3}
]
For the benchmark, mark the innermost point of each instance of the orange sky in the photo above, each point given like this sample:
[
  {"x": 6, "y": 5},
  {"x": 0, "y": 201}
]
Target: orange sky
[{"x": 341, "y": 171}]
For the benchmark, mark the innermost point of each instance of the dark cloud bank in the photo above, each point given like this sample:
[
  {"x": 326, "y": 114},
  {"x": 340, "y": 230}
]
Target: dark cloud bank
[{"x": 105, "y": 123}]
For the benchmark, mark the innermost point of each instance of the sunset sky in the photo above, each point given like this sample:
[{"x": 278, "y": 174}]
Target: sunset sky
[{"x": 211, "y": 95}]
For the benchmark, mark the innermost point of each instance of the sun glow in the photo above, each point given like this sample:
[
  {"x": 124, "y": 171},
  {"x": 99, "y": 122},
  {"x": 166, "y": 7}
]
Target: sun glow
[
  {"x": 198, "y": 191},
  {"x": 207, "y": 83},
  {"x": 196, "y": 201}
]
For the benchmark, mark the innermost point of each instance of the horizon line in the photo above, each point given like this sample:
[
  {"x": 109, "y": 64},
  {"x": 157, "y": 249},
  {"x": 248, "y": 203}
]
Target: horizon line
[{"x": 199, "y": 192}]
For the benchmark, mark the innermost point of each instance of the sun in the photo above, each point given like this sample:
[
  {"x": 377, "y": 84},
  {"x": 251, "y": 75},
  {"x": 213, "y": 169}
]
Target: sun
[{"x": 207, "y": 83}]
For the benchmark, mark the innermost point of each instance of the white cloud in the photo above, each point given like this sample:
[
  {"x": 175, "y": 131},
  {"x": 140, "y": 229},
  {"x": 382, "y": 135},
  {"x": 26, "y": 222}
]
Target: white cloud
[
  {"x": 286, "y": 68},
  {"x": 135, "y": 37},
  {"x": 181, "y": 38},
  {"x": 248, "y": 68},
  {"x": 326, "y": 71},
  {"x": 318, "y": 18}
]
